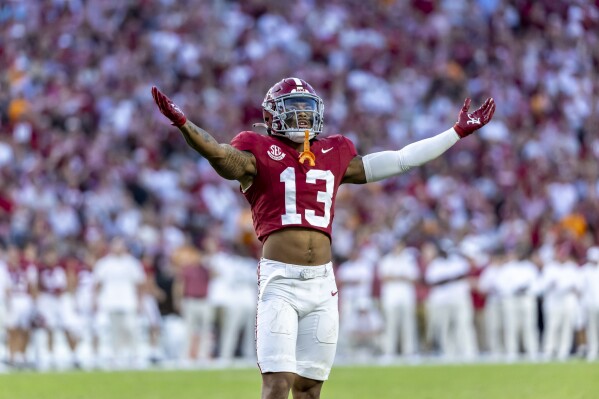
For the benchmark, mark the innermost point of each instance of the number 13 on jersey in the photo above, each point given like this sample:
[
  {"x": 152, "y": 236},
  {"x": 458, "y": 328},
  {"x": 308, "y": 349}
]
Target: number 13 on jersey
[{"x": 326, "y": 197}]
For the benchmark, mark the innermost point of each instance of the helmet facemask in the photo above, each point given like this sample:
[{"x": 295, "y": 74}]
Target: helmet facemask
[{"x": 294, "y": 113}]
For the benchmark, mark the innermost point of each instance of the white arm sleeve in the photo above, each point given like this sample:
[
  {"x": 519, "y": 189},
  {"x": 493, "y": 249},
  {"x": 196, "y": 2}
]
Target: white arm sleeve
[{"x": 384, "y": 164}]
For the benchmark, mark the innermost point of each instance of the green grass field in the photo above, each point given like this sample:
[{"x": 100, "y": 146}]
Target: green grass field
[{"x": 523, "y": 381}]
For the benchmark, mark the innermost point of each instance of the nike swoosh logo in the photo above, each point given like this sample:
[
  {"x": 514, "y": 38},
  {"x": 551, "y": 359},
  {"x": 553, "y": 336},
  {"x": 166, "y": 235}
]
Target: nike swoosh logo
[
  {"x": 333, "y": 293},
  {"x": 327, "y": 150}
]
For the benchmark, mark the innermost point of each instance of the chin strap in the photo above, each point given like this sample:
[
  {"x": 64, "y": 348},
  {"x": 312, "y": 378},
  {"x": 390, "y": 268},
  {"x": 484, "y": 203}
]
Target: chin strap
[{"x": 307, "y": 154}]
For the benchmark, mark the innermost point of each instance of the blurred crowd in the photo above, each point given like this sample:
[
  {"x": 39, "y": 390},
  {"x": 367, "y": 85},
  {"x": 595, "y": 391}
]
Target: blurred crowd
[{"x": 86, "y": 159}]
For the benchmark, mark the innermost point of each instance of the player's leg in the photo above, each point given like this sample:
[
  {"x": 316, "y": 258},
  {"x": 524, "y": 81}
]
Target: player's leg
[
  {"x": 391, "y": 329},
  {"x": 276, "y": 333},
  {"x": 190, "y": 312},
  {"x": 493, "y": 322},
  {"x": 442, "y": 316},
  {"x": 317, "y": 337},
  {"x": 277, "y": 385},
  {"x": 466, "y": 332},
  {"x": 248, "y": 343},
  {"x": 3, "y": 333},
  {"x": 408, "y": 329},
  {"x": 531, "y": 334},
  {"x": 510, "y": 320},
  {"x": 306, "y": 388},
  {"x": 232, "y": 324},
  {"x": 552, "y": 314},
  {"x": 568, "y": 325},
  {"x": 131, "y": 327},
  {"x": 207, "y": 316}
]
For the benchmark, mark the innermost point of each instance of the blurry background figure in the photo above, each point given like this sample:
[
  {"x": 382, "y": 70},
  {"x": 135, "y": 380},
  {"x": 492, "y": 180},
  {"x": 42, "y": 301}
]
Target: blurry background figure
[
  {"x": 235, "y": 279},
  {"x": 590, "y": 287},
  {"x": 364, "y": 329},
  {"x": 493, "y": 318},
  {"x": 450, "y": 304},
  {"x": 190, "y": 292},
  {"x": 55, "y": 308},
  {"x": 221, "y": 262},
  {"x": 518, "y": 282},
  {"x": 354, "y": 280},
  {"x": 152, "y": 319},
  {"x": 4, "y": 292},
  {"x": 21, "y": 305},
  {"x": 80, "y": 274},
  {"x": 561, "y": 285},
  {"x": 398, "y": 271},
  {"x": 119, "y": 278}
]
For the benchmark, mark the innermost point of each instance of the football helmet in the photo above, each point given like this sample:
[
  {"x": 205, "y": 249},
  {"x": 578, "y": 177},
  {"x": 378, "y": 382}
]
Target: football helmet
[{"x": 290, "y": 108}]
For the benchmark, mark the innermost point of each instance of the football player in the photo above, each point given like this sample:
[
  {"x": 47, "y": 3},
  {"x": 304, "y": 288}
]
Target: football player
[{"x": 290, "y": 178}]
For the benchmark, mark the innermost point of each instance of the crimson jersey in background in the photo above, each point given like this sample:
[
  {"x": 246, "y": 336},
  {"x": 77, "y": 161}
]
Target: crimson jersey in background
[{"x": 285, "y": 192}]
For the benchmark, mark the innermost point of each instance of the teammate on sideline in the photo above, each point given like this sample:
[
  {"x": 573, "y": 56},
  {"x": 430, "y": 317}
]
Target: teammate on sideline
[{"x": 290, "y": 178}]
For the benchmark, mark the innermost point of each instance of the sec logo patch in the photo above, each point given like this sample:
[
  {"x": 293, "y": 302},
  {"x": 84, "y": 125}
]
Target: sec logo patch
[{"x": 275, "y": 153}]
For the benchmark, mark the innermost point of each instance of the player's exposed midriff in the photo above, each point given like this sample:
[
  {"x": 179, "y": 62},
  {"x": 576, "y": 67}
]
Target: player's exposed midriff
[{"x": 298, "y": 246}]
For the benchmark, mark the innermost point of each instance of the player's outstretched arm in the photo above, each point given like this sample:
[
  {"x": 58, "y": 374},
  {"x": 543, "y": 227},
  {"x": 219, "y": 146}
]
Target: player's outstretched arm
[
  {"x": 384, "y": 164},
  {"x": 228, "y": 161}
]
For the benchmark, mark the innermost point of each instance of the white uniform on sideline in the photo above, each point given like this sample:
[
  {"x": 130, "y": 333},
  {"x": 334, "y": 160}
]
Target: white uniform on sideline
[
  {"x": 488, "y": 285},
  {"x": 398, "y": 270},
  {"x": 4, "y": 288},
  {"x": 517, "y": 284},
  {"x": 560, "y": 283},
  {"x": 364, "y": 329},
  {"x": 450, "y": 307},
  {"x": 590, "y": 295},
  {"x": 119, "y": 277},
  {"x": 233, "y": 290},
  {"x": 355, "y": 277}
]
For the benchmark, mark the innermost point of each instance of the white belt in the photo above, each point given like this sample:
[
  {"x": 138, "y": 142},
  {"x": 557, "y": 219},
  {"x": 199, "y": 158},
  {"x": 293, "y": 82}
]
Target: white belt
[{"x": 297, "y": 272}]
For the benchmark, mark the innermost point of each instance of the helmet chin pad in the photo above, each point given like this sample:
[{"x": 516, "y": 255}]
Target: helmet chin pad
[{"x": 297, "y": 136}]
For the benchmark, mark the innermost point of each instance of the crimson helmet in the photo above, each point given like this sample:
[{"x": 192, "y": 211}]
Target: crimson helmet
[{"x": 291, "y": 107}]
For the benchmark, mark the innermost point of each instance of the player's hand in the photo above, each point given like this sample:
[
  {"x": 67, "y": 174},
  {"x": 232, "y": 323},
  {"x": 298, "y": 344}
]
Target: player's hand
[
  {"x": 469, "y": 122},
  {"x": 168, "y": 108}
]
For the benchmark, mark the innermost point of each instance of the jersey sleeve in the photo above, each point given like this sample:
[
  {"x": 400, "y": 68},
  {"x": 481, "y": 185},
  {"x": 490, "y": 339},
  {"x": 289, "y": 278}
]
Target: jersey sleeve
[
  {"x": 350, "y": 148},
  {"x": 244, "y": 141},
  {"x": 346, "y": 147}
]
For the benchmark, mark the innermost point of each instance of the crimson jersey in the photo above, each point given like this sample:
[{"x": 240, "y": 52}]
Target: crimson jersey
[{"x": 285, "y": 192}]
